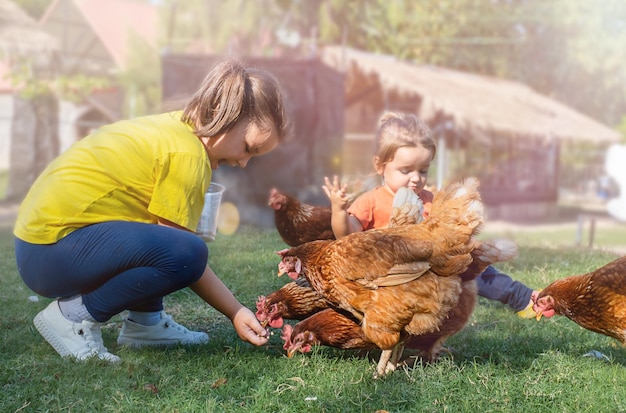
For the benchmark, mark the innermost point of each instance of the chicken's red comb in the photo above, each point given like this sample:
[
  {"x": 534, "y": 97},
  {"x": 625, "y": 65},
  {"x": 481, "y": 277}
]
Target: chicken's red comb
[
  {"x": 260, "y": 308},
  {"x": 286, "y": 335}
]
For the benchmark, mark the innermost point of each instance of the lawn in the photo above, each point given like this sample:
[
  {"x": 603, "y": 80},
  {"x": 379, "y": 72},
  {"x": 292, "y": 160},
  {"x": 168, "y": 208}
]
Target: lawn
[
  {"x": 4, "y": 180},
  {"x": 498, "y": 363}
]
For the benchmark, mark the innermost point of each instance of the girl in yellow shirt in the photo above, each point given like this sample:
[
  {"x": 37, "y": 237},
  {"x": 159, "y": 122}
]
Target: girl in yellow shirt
[{"x": 109, "y": 225}]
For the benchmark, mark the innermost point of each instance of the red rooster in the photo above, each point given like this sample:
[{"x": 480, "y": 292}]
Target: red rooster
[
  {"x": 399, "y": 280},
  {"x": 595, "y": 300}
]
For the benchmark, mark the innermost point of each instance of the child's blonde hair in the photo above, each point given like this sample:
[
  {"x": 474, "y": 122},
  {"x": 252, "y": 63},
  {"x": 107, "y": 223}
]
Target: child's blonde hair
[
  {"x": 397, "y": 130},
  {"x": 231, "y": 92}
]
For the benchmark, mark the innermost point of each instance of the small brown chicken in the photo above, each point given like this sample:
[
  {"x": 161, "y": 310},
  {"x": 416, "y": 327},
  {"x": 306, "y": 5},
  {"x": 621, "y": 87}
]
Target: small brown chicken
[
  {"x": 295, "y": 301},
  {"x": 327, "y": 328},
  {"x": 297, "y": 222},
  {"x": 400, "y": 280},
  {"x": 595, "y": 301}
]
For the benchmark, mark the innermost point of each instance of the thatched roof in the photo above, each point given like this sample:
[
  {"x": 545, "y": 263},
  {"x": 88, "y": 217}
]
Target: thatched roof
[
  {"x": 20, "y": 34},
  {"x": 474, "y": 103}
]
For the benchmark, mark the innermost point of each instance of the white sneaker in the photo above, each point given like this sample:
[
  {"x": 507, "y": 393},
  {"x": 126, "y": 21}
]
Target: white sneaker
[
  {"x": 79, "y": 340},
  {"x": 166, "y": 332}
]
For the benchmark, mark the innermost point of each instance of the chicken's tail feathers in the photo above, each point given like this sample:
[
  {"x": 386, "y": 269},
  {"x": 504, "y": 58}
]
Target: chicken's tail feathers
[
  {"x": 496, "y": 250},
  {"x": 486, "y": 253},
  {"x": 456, "y": 216},
  {"x": 407, "y": 208},
  {"x": 459, "y": 204}
]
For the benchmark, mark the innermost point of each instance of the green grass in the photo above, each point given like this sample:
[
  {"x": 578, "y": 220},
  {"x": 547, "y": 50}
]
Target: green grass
[
  {"x": 608, "y": 235},
  {"x": 499, "y": 362},
  {"x": 4, "y": 182}
]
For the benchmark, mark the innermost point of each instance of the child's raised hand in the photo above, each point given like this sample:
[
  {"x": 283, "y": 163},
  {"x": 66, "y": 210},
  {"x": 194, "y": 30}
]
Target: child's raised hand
[{"x": 336, "y": 192}]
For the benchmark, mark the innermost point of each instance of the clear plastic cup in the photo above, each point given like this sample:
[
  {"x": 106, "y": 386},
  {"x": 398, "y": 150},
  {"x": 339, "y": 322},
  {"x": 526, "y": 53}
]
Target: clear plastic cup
[{"x": 207, "y": 227}]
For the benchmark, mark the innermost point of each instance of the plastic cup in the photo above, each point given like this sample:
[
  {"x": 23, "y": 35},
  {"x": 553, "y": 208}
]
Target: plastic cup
[{"x": 207, "y": 227}]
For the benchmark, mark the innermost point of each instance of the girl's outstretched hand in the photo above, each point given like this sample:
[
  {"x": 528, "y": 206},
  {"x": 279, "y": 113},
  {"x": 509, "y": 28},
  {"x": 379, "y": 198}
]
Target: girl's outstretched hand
[
  {"x": 248, "y": 327},
  {"x": 336, "y": 192}
]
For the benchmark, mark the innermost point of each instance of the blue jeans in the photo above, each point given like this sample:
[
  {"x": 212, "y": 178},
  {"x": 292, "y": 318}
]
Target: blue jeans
[
  {"x": 494, "y": 285},
  {"x": 115, "y": 266}
]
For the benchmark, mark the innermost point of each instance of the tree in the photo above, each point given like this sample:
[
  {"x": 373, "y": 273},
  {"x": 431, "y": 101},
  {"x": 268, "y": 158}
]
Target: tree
[
  {"x": 34, "y": 8},
  {"x": 572, "y": 50},
  {"x": 30, "y": 53},
  {"x": 240, "y": 27}
]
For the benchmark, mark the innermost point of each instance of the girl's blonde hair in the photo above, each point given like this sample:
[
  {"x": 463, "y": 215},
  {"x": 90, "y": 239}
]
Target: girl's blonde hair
[
  {"x": 397, "y": 130},
  {"x": 232, "y": 92}
]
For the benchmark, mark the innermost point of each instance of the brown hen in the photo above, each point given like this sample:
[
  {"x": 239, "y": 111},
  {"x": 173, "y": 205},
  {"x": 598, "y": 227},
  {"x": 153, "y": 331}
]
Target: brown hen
[
  {"x": 327, "y": 328},
  {"x": 595, "y": 300},
  {"x": 295, "y": 301},
  {"x": 297, "y": 222},
  {"x": 396, "y": 280}
]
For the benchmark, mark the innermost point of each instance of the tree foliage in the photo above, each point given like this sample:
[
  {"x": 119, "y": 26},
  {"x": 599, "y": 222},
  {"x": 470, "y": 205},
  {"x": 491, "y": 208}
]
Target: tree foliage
[
  {"x": 34, "y": 8},
  {"x": 222, "y": 27},
  {"x": 571, "y": 50},
  {"x": 141, "y": 79}
]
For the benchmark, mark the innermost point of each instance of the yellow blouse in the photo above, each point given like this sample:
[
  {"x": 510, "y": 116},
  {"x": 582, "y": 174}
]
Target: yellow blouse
[{"x": 132, "y": 170}]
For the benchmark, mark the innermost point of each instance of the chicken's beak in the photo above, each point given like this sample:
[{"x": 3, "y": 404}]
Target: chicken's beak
[
  {"x": 293, "y": 350},
  {"x": 282, "y": 268},
  {"x": 539, "y": 314}
]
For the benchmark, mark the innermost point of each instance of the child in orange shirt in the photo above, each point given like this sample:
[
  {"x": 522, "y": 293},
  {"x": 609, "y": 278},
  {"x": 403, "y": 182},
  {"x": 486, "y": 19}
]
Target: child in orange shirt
[{"x": 405, "y": 150}]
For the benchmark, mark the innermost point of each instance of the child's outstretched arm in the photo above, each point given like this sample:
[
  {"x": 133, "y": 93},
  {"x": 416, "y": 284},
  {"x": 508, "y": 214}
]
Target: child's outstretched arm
[
  {"x": 341, "y": 221},
  {"x": 213, "y": 291}
]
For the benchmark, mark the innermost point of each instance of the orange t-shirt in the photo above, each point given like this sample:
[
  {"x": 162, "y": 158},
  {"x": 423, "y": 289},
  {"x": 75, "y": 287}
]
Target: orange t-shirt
[{"x": 373, "y": 208}]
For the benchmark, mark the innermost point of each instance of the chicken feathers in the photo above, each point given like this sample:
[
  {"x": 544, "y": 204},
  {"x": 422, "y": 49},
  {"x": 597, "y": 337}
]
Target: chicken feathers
[
  {"x": 397, "y": 280},
  {"x": 430, "y": 345},
  {"x": 297, "y": 222},
  {"x": 595, "y": 300},
  {"x": 295, "y": 301},
  {"x": 407, "y": 208},
  {"x": 328, "y": 328}
]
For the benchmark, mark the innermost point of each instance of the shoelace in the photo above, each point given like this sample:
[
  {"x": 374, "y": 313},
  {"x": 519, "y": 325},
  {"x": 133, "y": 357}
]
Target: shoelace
[
  {"x": 169, "y": 323},
  {"x": 93, "y": 338}
]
